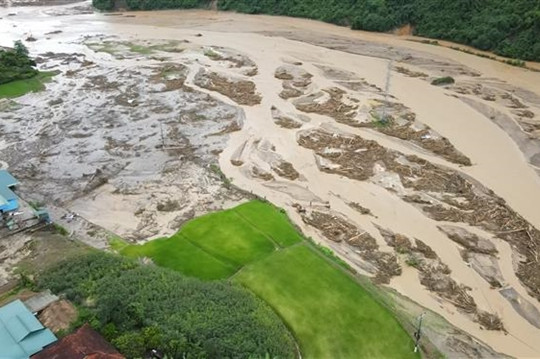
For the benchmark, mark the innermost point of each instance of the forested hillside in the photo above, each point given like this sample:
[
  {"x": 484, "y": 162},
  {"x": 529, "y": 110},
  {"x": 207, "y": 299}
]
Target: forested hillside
[{"x": 507, "y": 27}]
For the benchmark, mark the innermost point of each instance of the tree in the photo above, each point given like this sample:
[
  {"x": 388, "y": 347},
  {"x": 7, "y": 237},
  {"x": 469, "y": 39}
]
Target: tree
[
  {"x": 20, "y": 49},
  {"x": 140, "y": 307}
]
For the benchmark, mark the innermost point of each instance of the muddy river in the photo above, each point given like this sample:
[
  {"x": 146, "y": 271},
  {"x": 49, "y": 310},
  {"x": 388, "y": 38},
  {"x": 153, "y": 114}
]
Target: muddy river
[{"x": 431, "y": 190}]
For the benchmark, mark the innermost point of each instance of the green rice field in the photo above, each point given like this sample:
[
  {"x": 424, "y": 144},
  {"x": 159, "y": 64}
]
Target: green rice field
[{"x": 256, "y": 245}]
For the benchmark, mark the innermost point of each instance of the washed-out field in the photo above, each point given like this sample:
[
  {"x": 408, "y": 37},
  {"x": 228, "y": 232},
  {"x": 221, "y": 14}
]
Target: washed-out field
[{"x": 153, "y": 119}]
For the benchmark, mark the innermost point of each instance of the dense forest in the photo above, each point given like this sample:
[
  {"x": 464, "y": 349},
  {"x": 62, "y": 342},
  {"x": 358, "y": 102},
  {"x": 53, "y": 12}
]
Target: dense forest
[
  {"x": 507, "y": 27},
  {"x": 143, "y": 307},
  {"x": 15, "y": 64}
]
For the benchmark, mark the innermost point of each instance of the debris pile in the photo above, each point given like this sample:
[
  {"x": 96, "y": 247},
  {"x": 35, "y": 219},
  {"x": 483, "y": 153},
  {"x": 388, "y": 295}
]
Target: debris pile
[
  {"x": 410, "y": 73},
  {"x": 285, "y": 169},
  {"x": 171, "y": 75},
  {"x": 442, "y": 193},
  {"x": 242, "y": 92},
  {"x": 361, "y": 209},
  {"x": 337, "y": 229},
  {"x": 295, "y": 80},
  {"x": 435, "y": 276},
  {"x": 333, "y": 106},
  {"x": 284, "y": 121},
  {"x": 218, "y": 53},
  {"x": 258, "y": 172}
]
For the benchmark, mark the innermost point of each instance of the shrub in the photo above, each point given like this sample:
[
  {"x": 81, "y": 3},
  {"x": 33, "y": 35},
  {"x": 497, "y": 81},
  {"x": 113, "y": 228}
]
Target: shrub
[{"x": 413, "y": 261}]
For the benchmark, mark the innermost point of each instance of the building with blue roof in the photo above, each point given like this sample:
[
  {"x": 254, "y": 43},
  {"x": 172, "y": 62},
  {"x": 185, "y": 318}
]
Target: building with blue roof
[
  {"x": 8, "y": 199},
  {"x": 21, "y": 333}
]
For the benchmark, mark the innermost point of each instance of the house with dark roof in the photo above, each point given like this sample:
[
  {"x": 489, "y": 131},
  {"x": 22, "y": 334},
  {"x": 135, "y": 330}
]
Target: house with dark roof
[
  {"x": 21, "y": 333},
  {"x": 8, "y": 198},
  {"x": 85, "y": 343}
]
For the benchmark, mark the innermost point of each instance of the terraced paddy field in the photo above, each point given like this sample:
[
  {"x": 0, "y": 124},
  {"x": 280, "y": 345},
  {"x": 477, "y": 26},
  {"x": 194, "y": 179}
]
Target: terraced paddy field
[{"x": 254, "y": 244}]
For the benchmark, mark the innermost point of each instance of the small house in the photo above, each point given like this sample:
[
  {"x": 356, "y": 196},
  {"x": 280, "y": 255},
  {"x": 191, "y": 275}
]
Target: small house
[
  {"x": 85, "y": 343},
  {"x": 8, "y": 199},
  {"x": 21, "y": 333}
]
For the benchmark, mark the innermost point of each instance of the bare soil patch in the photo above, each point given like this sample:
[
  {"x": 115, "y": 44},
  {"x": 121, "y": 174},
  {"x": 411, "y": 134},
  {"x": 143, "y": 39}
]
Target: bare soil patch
[{"x": 58, "y": 316}]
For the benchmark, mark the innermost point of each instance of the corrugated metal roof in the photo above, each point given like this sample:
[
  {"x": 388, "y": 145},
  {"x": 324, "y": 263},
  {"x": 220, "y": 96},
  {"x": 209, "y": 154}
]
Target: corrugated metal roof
[
  {"x": 7, "y": 180},
  {"x": 85, "y": 343},
  {"x": 7, "y": 194},
  {"x": 21, "y": 334},
  {"x": 40, "y": 301}
]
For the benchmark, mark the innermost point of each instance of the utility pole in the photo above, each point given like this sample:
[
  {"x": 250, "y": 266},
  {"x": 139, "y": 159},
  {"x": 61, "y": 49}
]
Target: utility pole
[
  {"x": 418, "y": 332},
  {"x": 387, "y": 89}
]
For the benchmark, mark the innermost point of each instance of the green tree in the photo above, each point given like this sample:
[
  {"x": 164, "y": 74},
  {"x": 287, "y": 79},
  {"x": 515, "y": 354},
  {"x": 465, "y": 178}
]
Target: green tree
[{"x": 139, "y": 308}]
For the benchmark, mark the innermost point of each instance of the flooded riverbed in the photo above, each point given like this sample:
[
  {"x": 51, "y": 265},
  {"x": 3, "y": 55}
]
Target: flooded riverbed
[{"x": 145, "y": 105}]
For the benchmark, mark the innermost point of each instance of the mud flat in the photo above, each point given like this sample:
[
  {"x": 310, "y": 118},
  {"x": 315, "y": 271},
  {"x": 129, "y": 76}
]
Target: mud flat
[{"x": 431, "y": 191}]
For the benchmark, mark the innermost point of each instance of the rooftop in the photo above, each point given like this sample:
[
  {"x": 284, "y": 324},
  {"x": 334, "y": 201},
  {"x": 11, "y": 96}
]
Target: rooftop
[
  {"x": 85, "y": 343},
  {"x": 21, "y": 334},
  {"x": 7, "y": 181}
]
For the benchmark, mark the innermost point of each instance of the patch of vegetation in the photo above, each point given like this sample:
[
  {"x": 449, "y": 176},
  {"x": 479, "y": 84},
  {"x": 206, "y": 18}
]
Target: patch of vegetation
[
  {"x": 381, "y": 121},
  {"x": 140, "y": 307},
  {"x": 15, "y": 64},
  {"x": 140, "y": 49},
  {"x": 18, "y": 75},
  {"x": 256, "y": 245},
  {"x": 217, "y": 245},
  {"x": 515, "y": 62},
  {"x": 108, "y": 47},
  {"x": 178, "y": 253},
  {"x": 36, "y": 205},
  {"x": 226, "y": 181},
  {"x": 117, "y": 244},
  {"x": 270, "y": 220},
  {"x": 328, "y": 253},
  {"x": 212, "y": 54},
  {"x": 103, "y": 4},
  {"x": 228, "y": 236},
  {"x": 413, "y": 260},
  {"x": 60, "y": 229},
  {"x": 20, "y": 87},
  {"x": 330, "y": 314},
  {"x": 507, "y": 27},
  {"x": 447, "y": 80}
]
